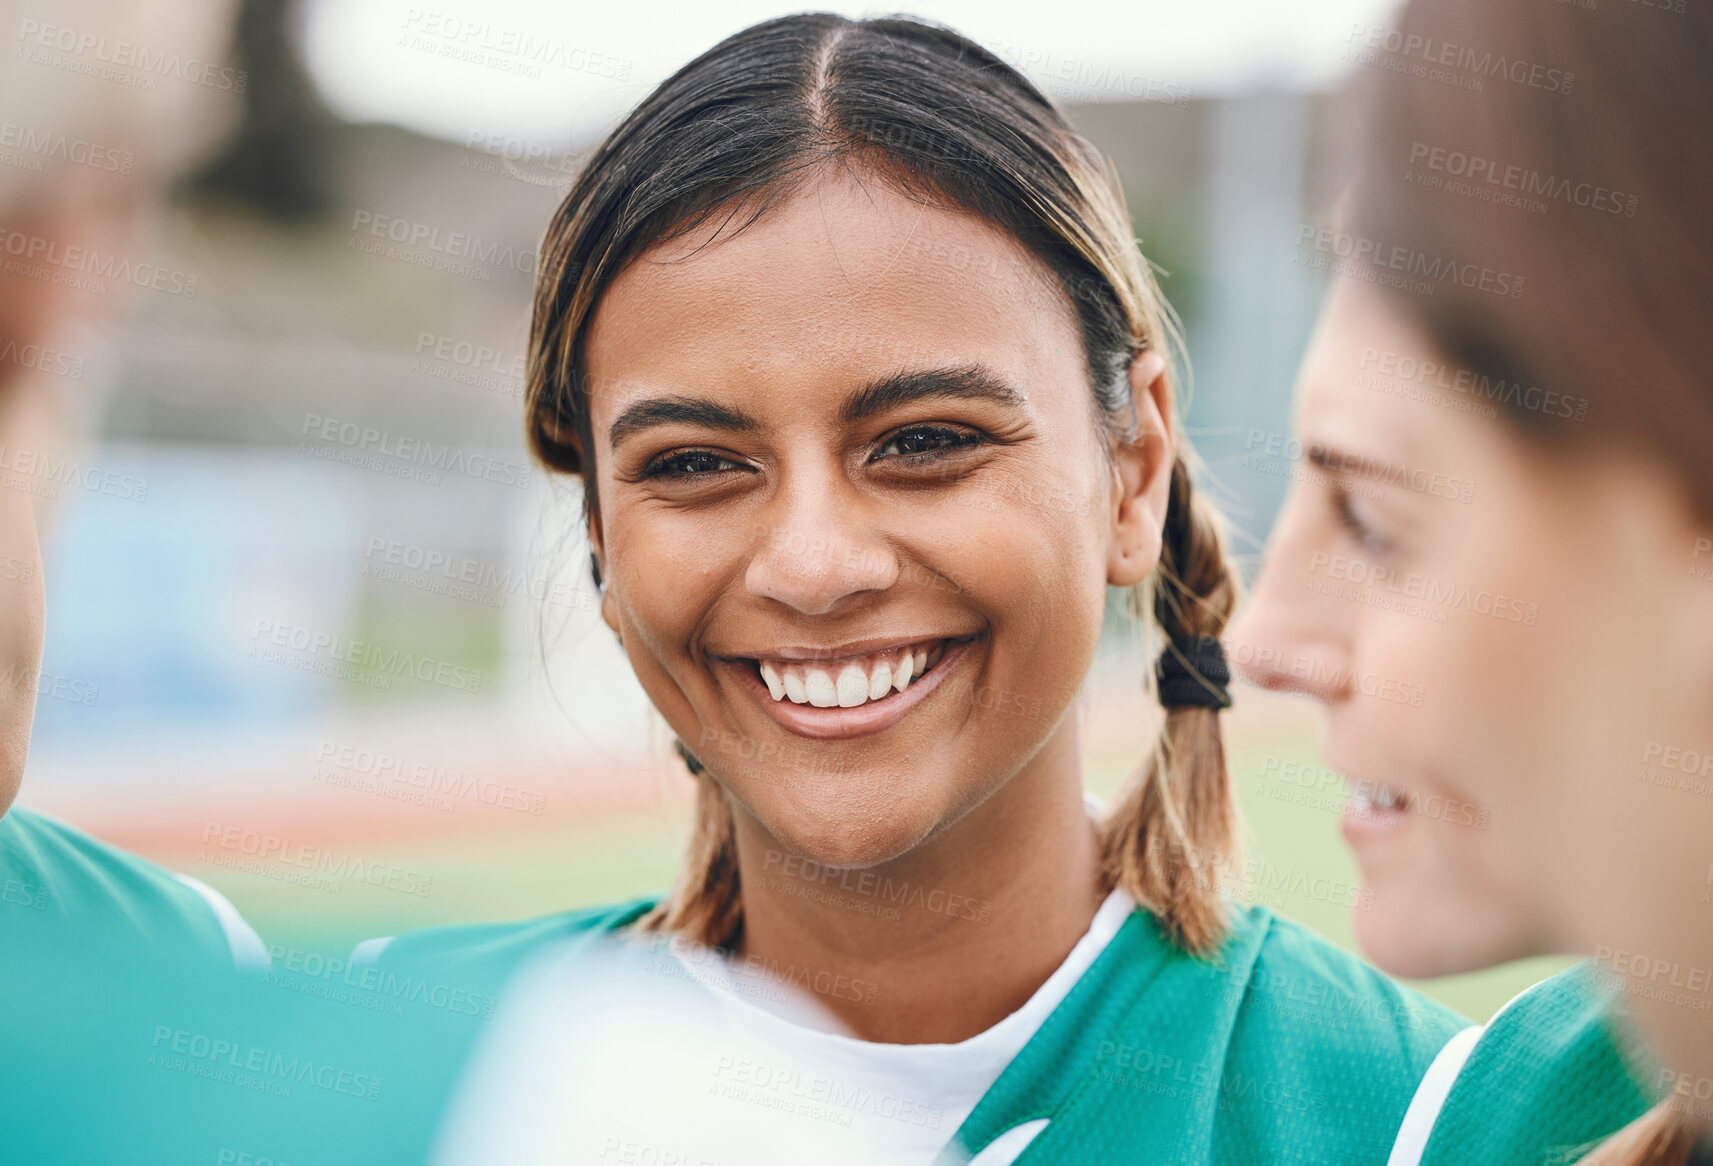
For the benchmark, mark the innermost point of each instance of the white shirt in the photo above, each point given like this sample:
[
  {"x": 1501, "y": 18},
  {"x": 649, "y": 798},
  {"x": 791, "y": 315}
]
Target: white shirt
[{"x": 671, "y": 1055}]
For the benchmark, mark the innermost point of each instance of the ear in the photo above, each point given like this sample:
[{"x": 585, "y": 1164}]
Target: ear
[
  {"x": 1142, "y": 476},
  {"x": 609, "y": 602}
]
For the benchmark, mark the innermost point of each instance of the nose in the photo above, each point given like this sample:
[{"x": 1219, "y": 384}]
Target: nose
[
  {"x": 818, "y": 550},
  {"x": 1291, "y": 635}
]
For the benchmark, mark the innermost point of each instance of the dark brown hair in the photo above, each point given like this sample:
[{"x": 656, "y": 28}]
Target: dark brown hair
[
  {"x": 734, "y": 133},
  {"x": 1579, "y": 166}
]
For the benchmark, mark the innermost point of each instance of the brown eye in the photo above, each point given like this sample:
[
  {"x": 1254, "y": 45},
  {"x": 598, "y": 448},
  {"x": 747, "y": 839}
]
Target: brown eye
[
  {"x": 922, "y": 442},
  {"x": 689, "y": 463}
]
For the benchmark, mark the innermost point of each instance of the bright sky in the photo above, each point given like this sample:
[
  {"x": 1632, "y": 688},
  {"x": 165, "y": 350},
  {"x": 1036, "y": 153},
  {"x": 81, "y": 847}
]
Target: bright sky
[{"x": 559, "y": 71}]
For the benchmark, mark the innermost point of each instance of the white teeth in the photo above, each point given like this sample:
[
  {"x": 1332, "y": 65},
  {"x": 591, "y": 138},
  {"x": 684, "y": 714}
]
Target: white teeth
[
  {"x": 823, "y": 694},
  {"x": 1380, "y": 799},
  {"x": 901, "y": 678},
  {"x": 770, "y": 675},
  {"x": 852, "y": 683},
  {"x": 853, "y": 686}
]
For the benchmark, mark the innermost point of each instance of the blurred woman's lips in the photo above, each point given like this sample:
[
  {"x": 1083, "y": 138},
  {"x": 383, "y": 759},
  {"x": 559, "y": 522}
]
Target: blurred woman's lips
[
  {"x": 847, "y": 698},
  {"x": 1372, "y": 812}
]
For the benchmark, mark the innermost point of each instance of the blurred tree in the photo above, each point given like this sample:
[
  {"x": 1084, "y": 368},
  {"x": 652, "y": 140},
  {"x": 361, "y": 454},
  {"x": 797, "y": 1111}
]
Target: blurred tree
[{"x": 277, "y": 164}]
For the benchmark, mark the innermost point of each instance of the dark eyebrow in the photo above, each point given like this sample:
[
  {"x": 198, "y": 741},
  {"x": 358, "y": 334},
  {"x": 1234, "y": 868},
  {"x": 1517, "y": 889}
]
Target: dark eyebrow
[
  {"x": 1337, "y": 462},
  {"x": 646, "y": 414},
  {"x": 966, "y": 382}
]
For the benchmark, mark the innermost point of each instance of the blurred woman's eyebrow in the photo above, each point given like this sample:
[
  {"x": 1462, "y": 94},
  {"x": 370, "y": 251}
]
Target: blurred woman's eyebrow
[{"x": 963, "y": 382}]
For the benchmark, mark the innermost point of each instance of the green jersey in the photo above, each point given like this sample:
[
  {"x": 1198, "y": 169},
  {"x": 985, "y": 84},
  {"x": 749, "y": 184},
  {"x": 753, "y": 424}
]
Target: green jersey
[
  {"x": 59, "y": 885},
  {"x": 1552, "y": 1074},
  {"x": 1280, "y": 1049}
]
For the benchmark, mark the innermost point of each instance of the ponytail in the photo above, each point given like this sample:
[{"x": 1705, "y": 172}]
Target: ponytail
[
  {"x": 1166, "y": 838},
  {"x": 1663, "y": 1136},
  {"x": 705, "y": 906}
]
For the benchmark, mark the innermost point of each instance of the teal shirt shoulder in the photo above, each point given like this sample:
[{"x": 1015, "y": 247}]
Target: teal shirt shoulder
[
  {"x": 105, "y": 960},
  {"x": 480, "y": 957},
  {"x": 1555, "y": 1072},
  {"x": 1280, "y": 1048},
  {"x": 59, "y": 886}
]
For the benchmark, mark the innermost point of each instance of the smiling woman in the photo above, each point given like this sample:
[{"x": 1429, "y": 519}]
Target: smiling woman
[{"x": 845, "y": 334}]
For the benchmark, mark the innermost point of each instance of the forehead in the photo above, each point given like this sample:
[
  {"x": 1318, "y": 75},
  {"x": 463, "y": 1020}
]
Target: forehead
[
  {"x": 845, "y": 278},
  {"x": 1366, "y": 380}
]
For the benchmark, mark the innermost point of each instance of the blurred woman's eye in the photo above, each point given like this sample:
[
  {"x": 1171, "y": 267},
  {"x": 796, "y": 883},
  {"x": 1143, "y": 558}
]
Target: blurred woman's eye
[
  {"x": 1361, "y": 529},
  {"x": 921, "y": 443},
  {"x": 689, "y": 463}
]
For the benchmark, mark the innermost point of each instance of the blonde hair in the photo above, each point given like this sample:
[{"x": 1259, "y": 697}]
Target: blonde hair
[
  {"x": 1663, "y": 1136},
  {"x": 944, "y": 119}
]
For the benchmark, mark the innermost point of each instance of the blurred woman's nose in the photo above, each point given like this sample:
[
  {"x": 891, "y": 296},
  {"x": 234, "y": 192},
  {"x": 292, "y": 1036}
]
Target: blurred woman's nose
[
  {"x": 1291, "y": 635},
  {"x": 815, "y": 548}
]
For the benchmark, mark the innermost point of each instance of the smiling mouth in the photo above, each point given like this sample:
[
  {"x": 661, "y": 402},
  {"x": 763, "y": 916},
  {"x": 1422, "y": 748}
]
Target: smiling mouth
[
  {"x": 1378, "y": 801},
  {"x": 853, "y": 682}
]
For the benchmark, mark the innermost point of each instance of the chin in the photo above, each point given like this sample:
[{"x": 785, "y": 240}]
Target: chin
[
  {"x": 854, "y": 842},
  {"x": 1406, "y": 933}
]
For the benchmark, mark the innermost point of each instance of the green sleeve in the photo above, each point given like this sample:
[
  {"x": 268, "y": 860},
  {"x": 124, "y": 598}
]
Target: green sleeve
[{"x": 1553, "y": 1074}]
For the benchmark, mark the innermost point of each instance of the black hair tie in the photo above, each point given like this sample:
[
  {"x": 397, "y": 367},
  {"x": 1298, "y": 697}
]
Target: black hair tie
[{"x": 1192, "y": 673}]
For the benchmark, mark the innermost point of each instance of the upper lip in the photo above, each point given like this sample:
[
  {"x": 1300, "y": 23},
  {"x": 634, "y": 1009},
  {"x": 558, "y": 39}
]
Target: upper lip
[{"x": 849, "y": 650}]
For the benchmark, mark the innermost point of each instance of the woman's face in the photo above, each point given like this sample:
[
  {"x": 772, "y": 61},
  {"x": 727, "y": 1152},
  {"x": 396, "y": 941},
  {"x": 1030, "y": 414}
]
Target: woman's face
[
  {"x": 1507, "y": 638},
  {"x": 854, "y": 439}
]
